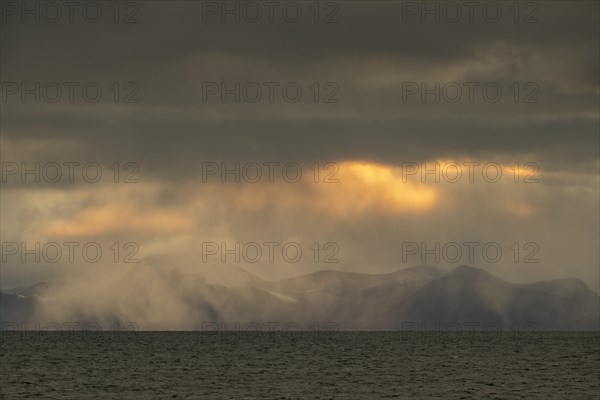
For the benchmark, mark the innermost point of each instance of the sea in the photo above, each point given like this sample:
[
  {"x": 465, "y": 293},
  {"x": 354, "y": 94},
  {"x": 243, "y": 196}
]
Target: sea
[{"x": 299, "y": 365}]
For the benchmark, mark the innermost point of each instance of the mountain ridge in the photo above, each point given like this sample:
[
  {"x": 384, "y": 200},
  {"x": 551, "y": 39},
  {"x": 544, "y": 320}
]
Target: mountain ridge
[{"x": 352, "y": 300}]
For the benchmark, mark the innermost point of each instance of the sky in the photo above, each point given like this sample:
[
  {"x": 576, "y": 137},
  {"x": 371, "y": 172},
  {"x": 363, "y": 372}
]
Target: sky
[{"x": 356, "y": 136}]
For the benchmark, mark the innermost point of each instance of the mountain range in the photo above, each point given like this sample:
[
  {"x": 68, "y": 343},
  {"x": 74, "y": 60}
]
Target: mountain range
[{"x": 416, "y": 298}]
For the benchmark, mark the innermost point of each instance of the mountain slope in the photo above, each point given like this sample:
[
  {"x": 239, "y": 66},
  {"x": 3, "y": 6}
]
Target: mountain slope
[
  {"x": 420, "y": 296},
  {"x": 467, "y": 295}
]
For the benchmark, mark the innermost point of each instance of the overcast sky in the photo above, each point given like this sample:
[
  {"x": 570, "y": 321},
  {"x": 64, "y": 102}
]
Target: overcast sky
[{"x": 364, "y": 120}]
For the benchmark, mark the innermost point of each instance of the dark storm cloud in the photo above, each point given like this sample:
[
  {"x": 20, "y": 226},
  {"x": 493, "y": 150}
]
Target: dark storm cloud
[
  {"x": 368, "y": 53},
  {"x": 166, "y": 31},
  {"x": 174, "y": 148}
]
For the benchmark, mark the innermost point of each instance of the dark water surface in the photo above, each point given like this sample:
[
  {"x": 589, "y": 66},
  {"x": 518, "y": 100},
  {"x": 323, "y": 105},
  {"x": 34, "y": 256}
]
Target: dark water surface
[{"x": 341, "y": 365}]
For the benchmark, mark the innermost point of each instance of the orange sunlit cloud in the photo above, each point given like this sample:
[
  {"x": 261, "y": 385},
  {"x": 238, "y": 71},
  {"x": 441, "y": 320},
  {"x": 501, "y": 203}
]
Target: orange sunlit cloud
[
  {"x": 367, "y": 186},
  {"x": 521, "y": 210},
  {"x": 361, "y": 187},
  {"x": 120, "y": 218}
]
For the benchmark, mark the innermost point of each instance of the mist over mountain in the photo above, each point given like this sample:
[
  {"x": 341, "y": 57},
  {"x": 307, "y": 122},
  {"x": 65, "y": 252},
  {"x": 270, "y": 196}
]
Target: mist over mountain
[{"x": 416, "y": 298}]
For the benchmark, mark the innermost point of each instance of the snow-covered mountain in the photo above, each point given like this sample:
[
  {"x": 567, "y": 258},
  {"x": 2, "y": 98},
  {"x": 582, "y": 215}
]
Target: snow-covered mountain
[{"x": 422, "y": 296}]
